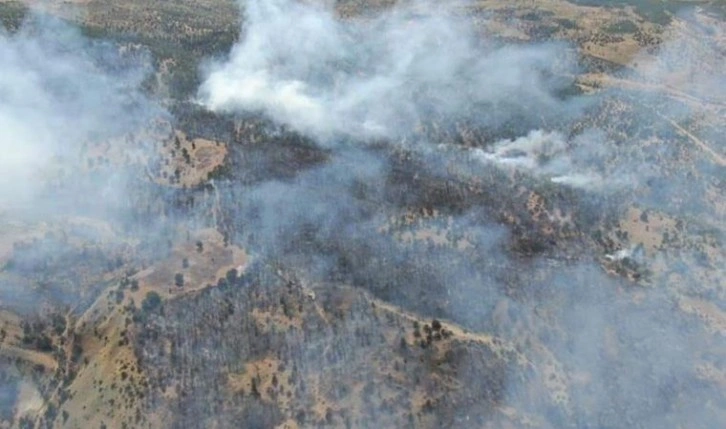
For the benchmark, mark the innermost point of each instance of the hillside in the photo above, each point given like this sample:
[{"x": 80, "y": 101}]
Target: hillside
[{"x": 512, "y": 217}]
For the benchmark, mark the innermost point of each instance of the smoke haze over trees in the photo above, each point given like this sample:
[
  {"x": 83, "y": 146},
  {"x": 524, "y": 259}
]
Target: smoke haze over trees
[{"x": 377, "y": 170}]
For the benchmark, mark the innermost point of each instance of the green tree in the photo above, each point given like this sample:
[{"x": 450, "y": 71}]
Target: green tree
[{"x": 151, "y": 302}]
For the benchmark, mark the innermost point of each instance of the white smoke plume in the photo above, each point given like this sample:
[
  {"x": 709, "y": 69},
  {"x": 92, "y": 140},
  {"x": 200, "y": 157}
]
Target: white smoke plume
[
  {"x": 374, "y": 77},
  {"x": 574, "y": 163}
]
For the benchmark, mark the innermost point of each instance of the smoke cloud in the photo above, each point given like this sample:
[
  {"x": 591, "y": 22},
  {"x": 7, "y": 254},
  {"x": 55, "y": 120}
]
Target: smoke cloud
[
  {"x": 382, "y": 76},
  {"x": 378, "y": 76},
  {"x": 415, "y": 220},
  {"x": 58, "y": 93},
  {"x": 74, "y": 145}
]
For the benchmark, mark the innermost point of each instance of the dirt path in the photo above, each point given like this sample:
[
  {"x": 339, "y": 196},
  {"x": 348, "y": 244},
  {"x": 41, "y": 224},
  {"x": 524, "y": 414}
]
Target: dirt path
[
  {"x": 720, "y": 160},
  {"x": 610, "y": 81},
  {"x": 715, "y": 104},
  {"x": 29, "y": 356}
]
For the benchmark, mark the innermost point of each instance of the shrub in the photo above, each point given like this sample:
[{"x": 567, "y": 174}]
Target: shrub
[{"x": 151, "y": 302}]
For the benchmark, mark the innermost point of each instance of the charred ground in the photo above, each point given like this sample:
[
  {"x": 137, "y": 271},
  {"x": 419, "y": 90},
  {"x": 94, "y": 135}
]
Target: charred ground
[{"x": 294, "y": 285}]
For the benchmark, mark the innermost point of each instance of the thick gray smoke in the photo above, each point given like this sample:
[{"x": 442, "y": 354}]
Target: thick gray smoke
[
  {"x": 58, "y": 93},
  {"x": 440, "y": 230},
  {"x": 379, "y": 76},
  {"x": 625, "y": 361}
]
